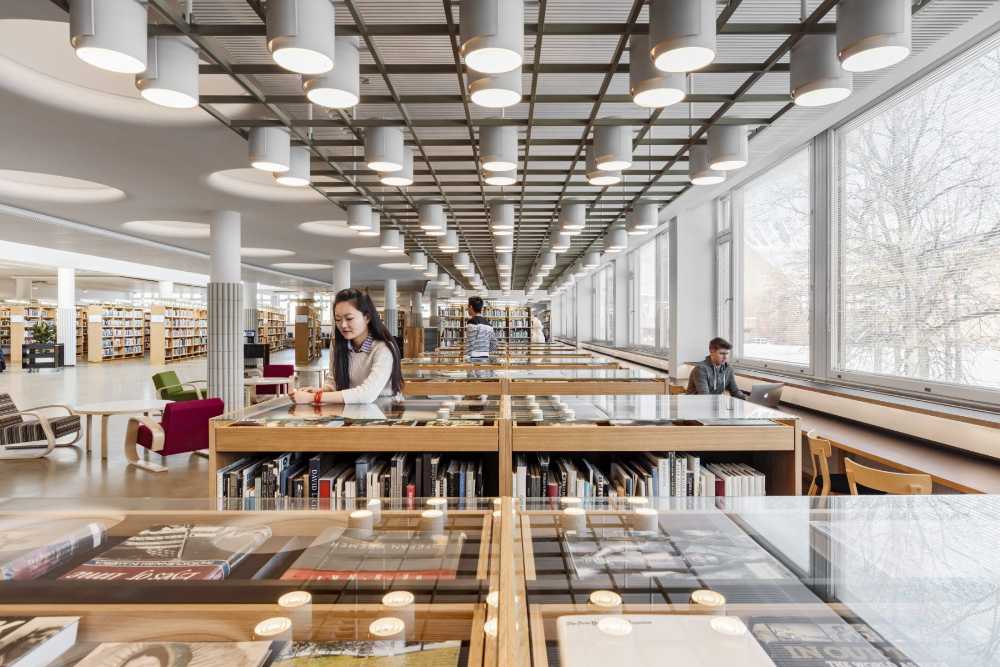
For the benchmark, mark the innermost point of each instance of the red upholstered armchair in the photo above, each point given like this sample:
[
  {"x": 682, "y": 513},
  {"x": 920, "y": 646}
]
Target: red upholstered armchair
[
  {"x": 276, "y": 371},
  {"x": 183, "y": 428}
]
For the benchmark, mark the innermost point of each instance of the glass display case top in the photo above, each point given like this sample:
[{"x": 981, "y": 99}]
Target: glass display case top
[
  {"x": 409, "y": 411},
  {"x": 444, "y": 375},
  {"x": 656, "y": 409},
  {"x": 581, "y": 374}
]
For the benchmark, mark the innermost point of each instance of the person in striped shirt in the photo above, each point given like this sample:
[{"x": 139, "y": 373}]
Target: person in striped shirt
[{"x": 480, "y": 339}]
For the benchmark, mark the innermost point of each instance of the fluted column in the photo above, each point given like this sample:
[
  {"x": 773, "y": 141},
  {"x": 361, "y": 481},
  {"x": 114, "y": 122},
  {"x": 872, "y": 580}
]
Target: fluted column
[
  {"x": 250, "y": 306},
  {"x": 66, "y": 314},
  {"x": 225, "y": 311},
  {"x": 391, "y": 307},
  {"x": 341, "y": 275}
]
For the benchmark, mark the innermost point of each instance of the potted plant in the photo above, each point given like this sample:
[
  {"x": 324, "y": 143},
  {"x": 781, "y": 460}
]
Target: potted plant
[{"x": 43, "y": 333}]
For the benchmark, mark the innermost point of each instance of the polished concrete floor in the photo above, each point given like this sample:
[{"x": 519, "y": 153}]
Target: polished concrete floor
[{"x": 69, "y": 472}]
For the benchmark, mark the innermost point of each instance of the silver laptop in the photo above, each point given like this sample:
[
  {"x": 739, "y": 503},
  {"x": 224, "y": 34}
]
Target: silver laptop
[{"x": 768, "y": 394}]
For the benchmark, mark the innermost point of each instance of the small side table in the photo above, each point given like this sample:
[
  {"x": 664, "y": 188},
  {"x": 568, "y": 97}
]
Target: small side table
[{"x": 109, "y": 408}]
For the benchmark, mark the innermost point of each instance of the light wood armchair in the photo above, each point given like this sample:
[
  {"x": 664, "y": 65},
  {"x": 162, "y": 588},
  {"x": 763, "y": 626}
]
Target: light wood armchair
[
  {"x": 887, "y": 482},
  {"x": 820, "y": 451}
]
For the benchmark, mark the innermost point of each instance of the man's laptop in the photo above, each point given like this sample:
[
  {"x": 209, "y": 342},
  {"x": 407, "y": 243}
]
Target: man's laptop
[{"x": 768, "y": 393}]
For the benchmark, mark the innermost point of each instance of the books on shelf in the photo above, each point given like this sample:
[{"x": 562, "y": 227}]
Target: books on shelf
[
  {"x": 174, "y": 553},
  {"x": 271, "y": 328},
  {"x": 36, "y": 641},
  {"x": 178, "y": 654},
  {"x": 657, "y": 475},
  {"x": 396, "y": 653},
  {"x": 339, "y": 554},
  {"x": 30, "y": 551}
]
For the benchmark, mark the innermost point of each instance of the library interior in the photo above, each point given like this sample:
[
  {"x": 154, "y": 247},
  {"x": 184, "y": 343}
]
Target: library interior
[{"x": 491, "y": 333}]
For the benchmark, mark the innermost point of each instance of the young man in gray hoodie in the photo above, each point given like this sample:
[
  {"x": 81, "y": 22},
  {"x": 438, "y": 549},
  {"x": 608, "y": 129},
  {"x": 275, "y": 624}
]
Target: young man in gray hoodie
[{"x": 714, "y": 375}]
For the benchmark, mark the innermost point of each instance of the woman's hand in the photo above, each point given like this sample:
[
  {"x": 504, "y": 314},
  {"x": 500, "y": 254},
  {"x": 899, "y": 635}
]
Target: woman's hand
[{"x": 302, "y": 396}]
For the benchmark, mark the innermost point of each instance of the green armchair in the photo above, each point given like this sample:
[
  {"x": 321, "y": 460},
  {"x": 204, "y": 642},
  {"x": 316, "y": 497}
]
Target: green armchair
[{"x": 170, "y": 388}]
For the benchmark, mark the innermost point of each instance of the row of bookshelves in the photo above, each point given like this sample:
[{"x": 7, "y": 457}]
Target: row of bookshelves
[{"x": 272, "y": 328}]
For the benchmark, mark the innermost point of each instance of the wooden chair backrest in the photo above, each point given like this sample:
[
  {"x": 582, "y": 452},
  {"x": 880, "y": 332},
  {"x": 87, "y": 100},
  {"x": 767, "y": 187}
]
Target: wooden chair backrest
[
  {"x": 888, "y": 482},
  {"x": 820, "y": 451}
]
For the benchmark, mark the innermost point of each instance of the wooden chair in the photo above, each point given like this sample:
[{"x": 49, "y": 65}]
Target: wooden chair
[
  {"x": 184, "y": 427},
  {"x": 887, "y": 482},
  {"x": 820, "y": 451},
  {"x": 37, "y": 435}
]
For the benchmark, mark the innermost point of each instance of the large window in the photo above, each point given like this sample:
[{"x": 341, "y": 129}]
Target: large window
[
  {"x": 776, "y": 295},
  {"x": 917, "y": 234},
  {"x": 649, "y": 320},
  {"x": 604, "y": 304}
]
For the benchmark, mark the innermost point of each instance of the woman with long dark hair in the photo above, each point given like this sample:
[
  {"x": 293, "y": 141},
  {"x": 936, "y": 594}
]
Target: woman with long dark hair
[{"x": 364, "y": 357}]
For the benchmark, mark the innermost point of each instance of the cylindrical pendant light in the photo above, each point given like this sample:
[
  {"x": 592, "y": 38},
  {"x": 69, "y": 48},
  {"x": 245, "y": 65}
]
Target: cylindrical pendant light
[
  {"x": 109, "y": 34},
  {"x": 873, "y": 34},
  {"x": 579, "y": 270},
  {"x": 503, "y": 243},
  {"x": 616, "y": 240},
  {"x": 391, "y": 240},
  {"x": 299, "y": 168},
  {"x": 449, "y": 242},
  {"x": 698, "y": 170},
  {"x": 648, "y": 86},
  {"x": 492, "y": 34},
  {"x": 440, "y": 231},
  {"x": 300, "y": 35},
  {"x": 560, "y": 243},
  {"x": 548, "y": 260},
  {"x": 817, "y": 79},
  {"x": 495, "y": 91},
  {"x": 431, "y": 270},
  {"x": 418, "y": 260},
  {"x": 505, "y": 262},
  {"x": 498, "y": 147},
  {"x": 572, "y": 215},
  {"x": 340, "y": 88},
  {"x": 613, "y": 147},
  {"x": 431, "y": 216},
  {"x": 632, "y": 227},
  {"x": 592, "y": 259},
  {"x": 376, "y": 227},
  {"x": 681, "y": 34},
  {"x": 171, "y": 75},
  {"x": 728, "y": 147},
  {"x": 359, "y": 217},
  {"x": 270, "y": 148},
  {"x": 501, "y": 217},
  {"x": 384, "y": 148},
  {"x": 500, "y": 177},
  {"x": 461, "y": 261},
  {"x": 646, "y": 215},
  {"x": 597, "y": 176},
  {"x": 403, "y": 177}
]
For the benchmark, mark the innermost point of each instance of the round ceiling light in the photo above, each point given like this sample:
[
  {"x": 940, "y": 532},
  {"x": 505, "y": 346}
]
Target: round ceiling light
[
  {"x": 418, "y": 260},
  {"x": 645, "y": 215},
  {"x": 500, "y": 178},
  {"x": 698, "y": 170},
  {"x": 375, "y": 229},
  {"x": 359, "y": 217},
  {"x": 40, "y": 186},
  {"x": 265, "y": 252},
  {"x": 299, "y": 168},
  {"x": 498, "y": 147},
  {"x": 449, "y": 242},
  {"x": 258, "y": 184},
  {"x": 501, "y": 216},
  {"x": 391, "y": 241},
  {"x": 462, "y": 261},
  {"x": 504, "y": 243},
  {"x": 648, "y": 86},
  {"x": 340, "y": 88},
  {"x": 681, "y": 34},
  {"x": 495, "y": 91},
  {"x": 109, "y": 34},
  {"x": 375, "y": 252},
  {"x": 334, "y": 228},
  {"x": 873, "y": 35},
  {"x": 572, "y": 215},
  {"x": 592, "y": 259},
  {"x": 171, "y": 75},
  {"x": 270, "y": 148},
  {"x": 613, "y": 147},
  {"x": 403, "y": 177},
  {"x": 728, "y": 147},
  {"x": 616, "y": 240},
  {"x": 396, "y": 266},
  {"x": 431, "y": 270},
  {"x": 492, "y": 35},
  {"x": 597, "y": 176},
  {"x": 300, "y": 35},
  {"x": 384, "y": 148},
  {"x": 177, "y": 229},
  {"x": 301, "y": 266},
  {"x": 817, "y": 79},
  {"x": 431, "y": 216}
]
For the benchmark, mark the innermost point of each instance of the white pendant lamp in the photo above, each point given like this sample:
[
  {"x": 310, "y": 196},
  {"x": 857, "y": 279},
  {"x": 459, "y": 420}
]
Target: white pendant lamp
[
  {"x": 632, "y": 227},
  {"x": 728, "y": 147},
  {"x": 431, "y": 270},
  {"x": 449, "y": 242},
  {"x": 698, "y": 170},
  {"x": 492, "y": 35},
  {"x": 648, "y": 86},
  {"x": 384, "y": 148},
  {"x": 418, "y": 260},
  {"x": 171, "y": 75},
  {"x": 616, "y": 240},
  {"x": 299, "y": 168},
  {"x": 359, "y": 217},
  {"x": 300, "y": 35},
  {"x": 109, "y": 34},
  {"x": 495, "y": 91},
  {"x": 340, "y": 88},
  {"x": 504, "y": 244},
  {"x": 403, "y": 177},
  {"x": 597, "y": 176},
  {"x": 431, "y": 216},
  {"x": 873, "y": 34},
  {"x": 391, "y": 240},
  {"x": 817, "y": 79},
  {"x": 579, "y": 270},
  {"x": 613, "y": 147},
  {"x": 592, "y": 259},
  {"x": 645, "y": 215},
  {"x": 500, "y": 178},
  {"x": 548, "y": 260},
  {"x": 560, "y": 243},
  {"x": 462, "y": 261},
  {"x": 682, "y": 34},
  {"x": 501, "y": 218},
  {"x": 270, "y": 148},
  {"x": 572, "y": 216},
  {"x": 505, "y": 263},
  {"x": 376, "y": 226},
  {"x": 498, "y": 147},
  {"x": 439, "y": 231}
]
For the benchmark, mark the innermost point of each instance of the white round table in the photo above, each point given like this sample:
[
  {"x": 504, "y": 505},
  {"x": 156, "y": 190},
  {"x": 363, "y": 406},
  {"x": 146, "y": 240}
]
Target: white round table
[
  {"x": 107, "y": 409},
  {"x": 250, "y": 385}
]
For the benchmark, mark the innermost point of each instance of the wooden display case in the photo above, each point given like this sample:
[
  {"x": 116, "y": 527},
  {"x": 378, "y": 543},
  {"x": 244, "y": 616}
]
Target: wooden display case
[{"x": 114, "y": 332}]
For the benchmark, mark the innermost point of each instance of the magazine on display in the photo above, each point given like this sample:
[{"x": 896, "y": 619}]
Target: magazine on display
[
  {"x": 178, "y": 654},
  {"x": 30, "y": 551},
  {"x": 35, "y": 641},
  {"x": 827, "y": 642},
  {"x": 370, "y": 654},
  {"x": 174, "y": 553}
]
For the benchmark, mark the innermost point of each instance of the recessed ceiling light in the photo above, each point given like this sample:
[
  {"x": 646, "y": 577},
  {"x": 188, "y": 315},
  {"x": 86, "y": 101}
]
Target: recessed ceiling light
[
  {"x": 266, "y": 252},
  {"x": 335, "y": 228},
  {"x": 54, "y": 188},
  {"x": 178, "y": 229},
  {"x": 260, "y": 185},
  {"x": 396, "y": 266},
  {"x": 301, "y": 266}
]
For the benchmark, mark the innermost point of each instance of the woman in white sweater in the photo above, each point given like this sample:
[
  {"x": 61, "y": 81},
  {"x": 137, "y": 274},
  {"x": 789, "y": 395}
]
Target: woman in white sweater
[{"x": 364, "y": 357}]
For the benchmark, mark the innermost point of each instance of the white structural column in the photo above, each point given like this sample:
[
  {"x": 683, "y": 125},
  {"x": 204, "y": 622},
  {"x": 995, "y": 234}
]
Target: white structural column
[
  {"x": 66, "y": 314},
  {"x": 391, "y": 306},
  {"x": 341, "y": 275},
  {"x": 692, "y": 280},
  {"x": 225, "y": 311},
  {"x": 416, "y": 309},
  {"x": 250, "y": 306},
  {"x": 22, "y": 289}
]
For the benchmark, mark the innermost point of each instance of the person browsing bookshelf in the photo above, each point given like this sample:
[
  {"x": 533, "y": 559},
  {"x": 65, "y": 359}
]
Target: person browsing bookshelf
[
  {"x": 364, "y": 357},
  {"x": 480, "y": 339},
  {"x": 714, "y": 375}
]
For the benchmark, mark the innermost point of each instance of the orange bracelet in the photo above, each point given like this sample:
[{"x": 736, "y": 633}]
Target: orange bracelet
[{"x": 318, "y": 397}]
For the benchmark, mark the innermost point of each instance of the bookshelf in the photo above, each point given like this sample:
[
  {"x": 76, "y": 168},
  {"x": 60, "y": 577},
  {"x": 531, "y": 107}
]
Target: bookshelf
[
  {"x": 22, "y": 318},
  {"x": 4, "y": 330},
  {"x": 145, "y": 318},
  {"x": 271, "y": 328},
  {"x": 81, "y": 332},
  {"x": 308, "y": 340},
  {"x": 518, "y": 324},
  {"x": 37, "y": 313},
  {"x": 512, "y": 324},
  {"x": 119, "y": 331},
  {"x": 177, "y": 332}
]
